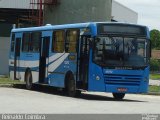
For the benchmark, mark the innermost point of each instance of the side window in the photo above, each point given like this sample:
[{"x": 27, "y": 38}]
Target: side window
[
  {"x": 18, "y": 46},
  {"x": 71, "y": 42},
  {"x": 58, "y": 41},
  {"x": 12, "y": 42},
  {"x": 25, "y": 42},
  {"x": 35, "y": 40}
]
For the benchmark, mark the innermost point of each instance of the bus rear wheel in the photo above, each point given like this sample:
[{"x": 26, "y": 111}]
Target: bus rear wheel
[
  {"x": 28, "y": 80},
  {"x": 118, "y": 96}
]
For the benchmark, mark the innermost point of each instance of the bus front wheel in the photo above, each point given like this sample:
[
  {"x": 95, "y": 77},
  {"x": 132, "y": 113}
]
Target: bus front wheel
[
  {"x": 118, "y": 96},
  {"x": 71, "y": 88},
  {"x": 28, "y": 80}
]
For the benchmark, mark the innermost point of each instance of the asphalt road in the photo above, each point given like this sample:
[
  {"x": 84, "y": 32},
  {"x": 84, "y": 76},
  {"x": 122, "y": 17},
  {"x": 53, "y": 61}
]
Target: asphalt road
[{"x": 14, "y": 100}]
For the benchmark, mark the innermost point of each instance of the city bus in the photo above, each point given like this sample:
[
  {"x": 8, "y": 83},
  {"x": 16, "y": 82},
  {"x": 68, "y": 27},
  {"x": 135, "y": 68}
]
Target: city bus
[{"x": 97, "y": 56}]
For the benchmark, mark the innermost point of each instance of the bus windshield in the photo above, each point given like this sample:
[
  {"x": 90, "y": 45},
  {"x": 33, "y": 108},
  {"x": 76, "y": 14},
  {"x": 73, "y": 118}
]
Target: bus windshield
[{"x": 117, "y": 51}]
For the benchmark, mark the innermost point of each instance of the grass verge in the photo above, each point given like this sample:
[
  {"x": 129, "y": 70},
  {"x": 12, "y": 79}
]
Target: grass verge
[
  {"x": 155, "y": 76},
  {"x": 7, "y": 81},
  {"x": 155, "y": 89}
]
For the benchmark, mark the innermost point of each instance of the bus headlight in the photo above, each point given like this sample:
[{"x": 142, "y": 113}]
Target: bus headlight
[{"x": 97, "y": 78}]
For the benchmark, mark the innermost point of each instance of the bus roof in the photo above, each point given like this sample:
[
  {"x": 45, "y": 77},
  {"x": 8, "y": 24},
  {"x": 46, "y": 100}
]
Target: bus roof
[
  {"x": 65, "y": 26},
  {"x": 51, "y": 27}
]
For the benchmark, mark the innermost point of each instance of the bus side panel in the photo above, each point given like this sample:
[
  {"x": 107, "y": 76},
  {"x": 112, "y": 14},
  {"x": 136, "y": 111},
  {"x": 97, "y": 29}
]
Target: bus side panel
[
  {"x": 56, "y": 69},
  {"x": 145, "y": 83},
  {"x": 26, "y": 60},
  {"x": 59, "y": 65},
  {"x": 56, "y": 80},
  {"x": 29, "y": 61}
]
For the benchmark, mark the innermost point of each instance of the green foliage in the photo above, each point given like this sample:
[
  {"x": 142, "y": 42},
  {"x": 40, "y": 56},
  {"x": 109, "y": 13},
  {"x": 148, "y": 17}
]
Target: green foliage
[
  {"x": 154, "y": 88},
  {"x": 4, "y": 80},
  {"x": 155, "y": 76},
  {"x": 154, "y": 65},
  {"x": 155, "y": 39}
]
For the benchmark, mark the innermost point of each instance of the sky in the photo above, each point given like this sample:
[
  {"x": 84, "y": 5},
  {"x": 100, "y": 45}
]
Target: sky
[{"x": 148, "y": 11}]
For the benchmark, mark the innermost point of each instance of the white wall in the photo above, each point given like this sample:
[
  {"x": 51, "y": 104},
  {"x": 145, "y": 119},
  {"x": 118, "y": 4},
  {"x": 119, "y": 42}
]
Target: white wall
[
  {"x": 123, "y": 14},
  {"x": 19, "y": 4},
  {"x": 4, "y": 55}
]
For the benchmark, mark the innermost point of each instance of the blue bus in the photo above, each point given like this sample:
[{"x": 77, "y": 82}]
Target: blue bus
[{"x": 97, "y": 56}]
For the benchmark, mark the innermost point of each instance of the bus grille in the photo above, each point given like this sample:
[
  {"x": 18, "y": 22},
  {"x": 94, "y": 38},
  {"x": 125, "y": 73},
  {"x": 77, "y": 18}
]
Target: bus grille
[{"x": 128, "y": 80}]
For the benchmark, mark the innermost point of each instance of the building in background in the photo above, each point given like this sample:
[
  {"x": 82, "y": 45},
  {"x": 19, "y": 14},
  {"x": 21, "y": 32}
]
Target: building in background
[
  {"x": 77, "y": 11},
  {"x": 122, "y": 13},
  {"x": 18, "y": 12},
  {"x": 24, "y": 13}
]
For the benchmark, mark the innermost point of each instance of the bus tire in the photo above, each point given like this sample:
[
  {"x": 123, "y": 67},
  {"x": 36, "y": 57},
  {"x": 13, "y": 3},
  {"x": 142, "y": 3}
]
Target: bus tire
[
  {"x": 118, "y": 96},
  {"x": 70, "y": 86},
  {"x": 28, "y": 80},
  {"x": 71, "y": 89}
]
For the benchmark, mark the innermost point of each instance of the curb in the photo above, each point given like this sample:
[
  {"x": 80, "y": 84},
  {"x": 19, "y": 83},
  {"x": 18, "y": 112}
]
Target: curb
[
  {"x": 12, "y": 85},
  {"x": 154, "y": 93},
  {"x": 6, "y": 85}
]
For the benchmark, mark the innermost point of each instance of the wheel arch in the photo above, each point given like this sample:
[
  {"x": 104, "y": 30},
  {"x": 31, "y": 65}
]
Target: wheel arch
[{"x": 67, "y": 76}]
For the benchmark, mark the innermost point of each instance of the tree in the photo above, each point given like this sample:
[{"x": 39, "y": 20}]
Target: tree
[
  {"x": 154, "y": 65},
  {"x": 155, "y": 38}
]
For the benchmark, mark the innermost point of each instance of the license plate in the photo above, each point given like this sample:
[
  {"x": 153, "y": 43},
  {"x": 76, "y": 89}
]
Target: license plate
[{"x": 122, "y": 89}]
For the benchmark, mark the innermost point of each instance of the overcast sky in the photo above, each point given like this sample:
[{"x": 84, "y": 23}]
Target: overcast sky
[{"x": 148, "y": 11}]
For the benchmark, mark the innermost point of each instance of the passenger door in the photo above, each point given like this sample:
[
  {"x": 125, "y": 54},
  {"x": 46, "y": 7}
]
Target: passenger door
[
  {"x": 84, "y": 61},
  {"x": 18, "y": 38},
  {"x": 44, "y": 57}
]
